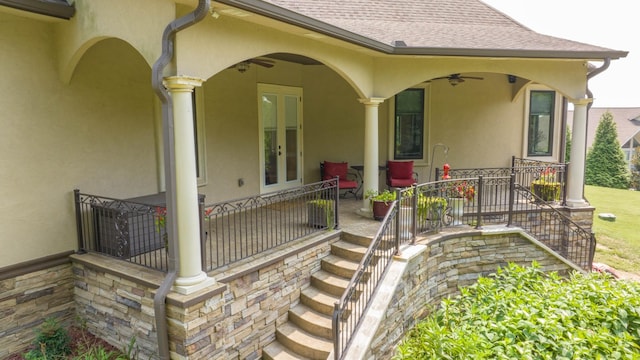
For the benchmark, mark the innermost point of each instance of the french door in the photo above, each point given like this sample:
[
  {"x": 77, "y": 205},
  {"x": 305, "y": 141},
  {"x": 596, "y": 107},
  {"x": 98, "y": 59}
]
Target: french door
[{"x": 280, "y": 114}]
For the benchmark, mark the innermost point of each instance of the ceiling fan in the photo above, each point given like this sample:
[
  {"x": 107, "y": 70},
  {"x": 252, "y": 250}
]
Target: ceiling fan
[
  {"x": 243, "y": 66},
  {"x": 455, "y": 79}
]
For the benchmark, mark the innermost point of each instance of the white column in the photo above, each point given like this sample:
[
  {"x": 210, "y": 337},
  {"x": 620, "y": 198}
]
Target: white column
[
  {"x": 191, "y": 278},
  {"x": 575, "y": 180},
  {"x": 370, "y": 173}
]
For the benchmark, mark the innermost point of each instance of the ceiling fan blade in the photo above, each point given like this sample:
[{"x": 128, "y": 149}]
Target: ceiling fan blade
[{"x": 261, "y": 62}]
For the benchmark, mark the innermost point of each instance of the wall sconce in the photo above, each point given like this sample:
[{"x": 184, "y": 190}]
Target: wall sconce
[
  {"x": 512, "y": 79},
  {"x": 242, "y": 66}
]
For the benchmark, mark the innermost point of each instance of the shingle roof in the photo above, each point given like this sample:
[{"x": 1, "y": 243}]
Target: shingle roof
[{"x": 442, "y": 27}]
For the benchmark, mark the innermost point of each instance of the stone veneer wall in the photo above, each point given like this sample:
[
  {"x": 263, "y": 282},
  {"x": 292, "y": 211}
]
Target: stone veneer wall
[
  {"x": 233, "y": 320},
  {"x": 29, "y": 294},
  {"x": 445, "y": 264},
  {"x": 242, "y": 320}
]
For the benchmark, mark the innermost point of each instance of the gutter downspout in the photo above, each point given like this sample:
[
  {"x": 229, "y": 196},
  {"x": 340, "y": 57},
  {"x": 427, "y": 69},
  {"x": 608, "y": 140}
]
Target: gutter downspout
[
  {"x": 168, "y": 47},
  {"x": 605, "y": 66}
]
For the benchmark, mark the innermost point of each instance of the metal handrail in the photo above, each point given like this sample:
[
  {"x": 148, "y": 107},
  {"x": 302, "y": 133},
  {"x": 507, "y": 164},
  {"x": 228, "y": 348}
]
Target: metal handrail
[{"x": 355, "y": 301}]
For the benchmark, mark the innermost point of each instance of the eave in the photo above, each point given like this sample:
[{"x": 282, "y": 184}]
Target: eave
[
  {"x": 57, "y": 9},
  {"x": 280, "y": 14}
]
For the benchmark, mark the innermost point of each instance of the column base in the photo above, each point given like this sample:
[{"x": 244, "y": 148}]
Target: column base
[
  {"x": 575, "y": 203},
  {"x": 189, "y": 285}
]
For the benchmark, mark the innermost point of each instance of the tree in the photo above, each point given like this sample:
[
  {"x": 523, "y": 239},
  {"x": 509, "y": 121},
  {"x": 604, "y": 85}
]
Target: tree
[
  {"x": 605, "y": 165},
  {"x": 567, "y": 146},
  {"x": 635, "y": 169}
]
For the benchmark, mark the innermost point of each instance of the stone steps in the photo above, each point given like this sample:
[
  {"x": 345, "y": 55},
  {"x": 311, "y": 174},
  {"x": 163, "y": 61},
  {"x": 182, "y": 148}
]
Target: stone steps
[{"x": 308, "y": 334}]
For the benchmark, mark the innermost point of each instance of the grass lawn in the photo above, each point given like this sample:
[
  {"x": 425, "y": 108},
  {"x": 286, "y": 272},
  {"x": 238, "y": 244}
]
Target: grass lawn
[{"x": 619, "y": 240}]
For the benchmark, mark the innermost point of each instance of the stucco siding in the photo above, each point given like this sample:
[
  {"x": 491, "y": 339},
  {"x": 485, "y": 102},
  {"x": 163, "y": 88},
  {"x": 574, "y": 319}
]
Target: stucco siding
[{"x": 95, "y": 134}]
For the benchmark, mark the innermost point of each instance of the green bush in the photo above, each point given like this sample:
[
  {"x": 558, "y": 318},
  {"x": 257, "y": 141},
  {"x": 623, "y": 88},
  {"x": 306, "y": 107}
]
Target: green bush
[
  {"x": 523, "y": 313},
  {"x": 52, "y": 342}
]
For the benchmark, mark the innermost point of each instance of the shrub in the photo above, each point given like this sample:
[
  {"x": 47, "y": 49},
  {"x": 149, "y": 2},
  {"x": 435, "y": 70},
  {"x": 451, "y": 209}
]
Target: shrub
[
  {"x": 52, "y": 342},
  {"x": 523, "y": 313}
]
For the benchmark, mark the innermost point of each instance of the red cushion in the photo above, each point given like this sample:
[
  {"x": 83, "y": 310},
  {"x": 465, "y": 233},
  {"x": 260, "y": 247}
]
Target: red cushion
[
  {"x": 401, "y": 170},
  {"x": 331, "y": 170},
  {"x": 393, "y": 182},
  {"x": 347, "y": 184}
]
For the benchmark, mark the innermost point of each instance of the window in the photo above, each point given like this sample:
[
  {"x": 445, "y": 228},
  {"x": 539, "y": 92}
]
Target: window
[
  {"x": 541, "y": 123},
  {"x": 408, "y": 142}
]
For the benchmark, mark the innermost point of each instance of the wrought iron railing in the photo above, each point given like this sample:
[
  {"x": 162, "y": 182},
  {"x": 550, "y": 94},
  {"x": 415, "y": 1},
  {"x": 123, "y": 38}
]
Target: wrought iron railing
[
  {"x": 348, "y": 312},
  {"x": 429, "y": 207},
  {"x": 231, "y": 231},
  {"x": 553, "y": 228},
  {"x": 130, "y": 231},
  {"x": 242, "y": 228}
]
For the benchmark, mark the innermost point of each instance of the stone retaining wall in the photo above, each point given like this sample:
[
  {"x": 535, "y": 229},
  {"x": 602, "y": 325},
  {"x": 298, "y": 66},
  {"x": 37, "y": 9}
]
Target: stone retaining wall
[
  {"x": 29, "y": 295},
  {"x": 446, "y": 264},
  {"x": 233, "y": 320}
]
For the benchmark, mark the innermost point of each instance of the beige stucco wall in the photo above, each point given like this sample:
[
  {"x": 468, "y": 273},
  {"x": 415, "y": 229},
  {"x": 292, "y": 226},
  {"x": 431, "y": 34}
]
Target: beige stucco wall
[{"x": 95, "y": 134}]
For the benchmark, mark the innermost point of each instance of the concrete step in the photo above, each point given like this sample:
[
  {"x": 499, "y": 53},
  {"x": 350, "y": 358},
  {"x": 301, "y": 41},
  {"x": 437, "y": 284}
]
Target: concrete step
[
  {"x": 339, "y": 266},
  {"x": 328, "y": 282},
  {"x": 275, "y": 351},
  {"x": 319, "y": 300},
  {"x": 356, "y": 239},
  {"x": 348, "y": 250},
  {"x": 303, "y": 343},
  {"x": 311, "y": 321}
]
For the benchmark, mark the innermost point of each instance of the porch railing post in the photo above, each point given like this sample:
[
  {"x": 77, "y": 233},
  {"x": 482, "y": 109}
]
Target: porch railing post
[
  {"x": 512, "y": 189},
  {"x": 203, "y": 254},
  {"x": 397, "y": 223},
  {"x": 336, "y": 205},
  {"x": 564, "y": 182},
  {"x": 76, "y": 197},
  {"x": 414, "y": 213},
  {"x": 335, "y": 321},
  {"x": 437, "y": 174},
  {"x": 479, "y": 207}
]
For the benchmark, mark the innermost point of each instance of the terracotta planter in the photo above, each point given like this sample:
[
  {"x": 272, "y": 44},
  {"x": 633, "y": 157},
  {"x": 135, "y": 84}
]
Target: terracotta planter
[{"x": 380, "y": 209}]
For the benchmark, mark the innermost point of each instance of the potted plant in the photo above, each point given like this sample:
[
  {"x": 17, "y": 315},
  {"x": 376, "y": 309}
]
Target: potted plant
[
  {"x": 380, "y": 202},
  {"x": 545, "y": 187},
  {"x": 459, "y": 193},
  {"x": 321, "y": 213},
  {"x": 431, "y": 207}
]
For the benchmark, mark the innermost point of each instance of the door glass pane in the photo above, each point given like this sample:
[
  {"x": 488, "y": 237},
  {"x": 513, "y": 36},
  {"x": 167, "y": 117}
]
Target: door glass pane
[
  {"x": 291, "y": 129},
  {"x": 270, "y": 133}
]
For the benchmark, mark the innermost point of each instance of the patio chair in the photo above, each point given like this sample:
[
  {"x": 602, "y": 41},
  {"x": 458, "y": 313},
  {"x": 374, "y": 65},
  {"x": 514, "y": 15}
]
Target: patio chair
[
  {"x": 346, "y": 181},
  {"x": 400, "y": 174}
]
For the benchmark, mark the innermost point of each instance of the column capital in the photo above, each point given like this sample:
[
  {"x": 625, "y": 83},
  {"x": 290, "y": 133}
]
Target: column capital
[
  {"x": 371, "y": 101},
  {"x": 181, "y": 82},
  {"x": 581, "y": 102}
]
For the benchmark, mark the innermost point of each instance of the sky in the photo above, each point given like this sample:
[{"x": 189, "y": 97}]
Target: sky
[{"x": 609, "y": 24}]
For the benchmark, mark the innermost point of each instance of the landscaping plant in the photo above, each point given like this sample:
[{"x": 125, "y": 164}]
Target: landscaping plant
[
  {"x": 605, "y": 164},
  {"x": 524, "y": 313}
]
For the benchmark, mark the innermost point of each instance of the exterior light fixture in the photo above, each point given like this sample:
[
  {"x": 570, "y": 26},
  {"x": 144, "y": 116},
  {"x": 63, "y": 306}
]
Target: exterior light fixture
[{"x": 242, "y": 66}]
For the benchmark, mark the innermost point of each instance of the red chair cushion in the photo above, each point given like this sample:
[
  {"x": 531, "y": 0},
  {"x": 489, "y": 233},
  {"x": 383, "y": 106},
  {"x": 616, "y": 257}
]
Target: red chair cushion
[
  {"x": 331, "y": 170},
  {"x": 401, "y": 170},
  {"x": 401, "y": 182},
  {"x": 347, "y": 184}
]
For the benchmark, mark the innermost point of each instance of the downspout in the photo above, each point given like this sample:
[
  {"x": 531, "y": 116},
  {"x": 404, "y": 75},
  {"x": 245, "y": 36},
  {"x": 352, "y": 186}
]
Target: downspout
[
  {"x": 168, "y": 39},
  {"x": 605, "y": 66}
]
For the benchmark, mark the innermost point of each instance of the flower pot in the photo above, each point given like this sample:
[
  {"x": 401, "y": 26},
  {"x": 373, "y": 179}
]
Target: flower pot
[
  {"x": 546, "y": 192},
  {"x": 380, "y": 209},
  {"x": 320, "y": 213},
  {"x": 457, "y": 210}
]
